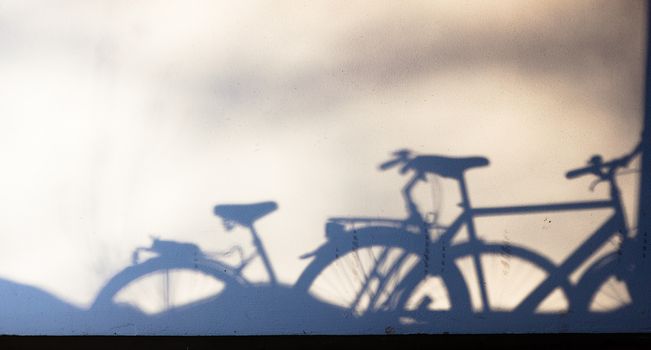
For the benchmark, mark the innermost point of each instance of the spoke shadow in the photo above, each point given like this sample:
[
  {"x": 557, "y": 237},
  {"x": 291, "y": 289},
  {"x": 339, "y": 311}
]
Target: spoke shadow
[
  {"x": 389, "y": 275},
  {"x": 386, "y": 275},
  {"x": 391, "y": 261}
]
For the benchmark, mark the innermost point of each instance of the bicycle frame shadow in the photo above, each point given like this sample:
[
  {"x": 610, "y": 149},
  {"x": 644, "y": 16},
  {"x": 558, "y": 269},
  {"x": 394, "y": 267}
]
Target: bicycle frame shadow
[
  {"x": 239, "y": 307},
  {"x": 389, "y": 263},
  {"x": 384, "y": 294},
  {"x": 391, "y": 259},
  {"x": 276, "y": 308}
]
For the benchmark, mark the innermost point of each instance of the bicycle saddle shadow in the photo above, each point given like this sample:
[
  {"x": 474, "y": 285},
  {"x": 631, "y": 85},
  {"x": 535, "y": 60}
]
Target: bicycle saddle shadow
[
  {"x": 450, "y": 167},
  {"x": 244, "y": 214}
]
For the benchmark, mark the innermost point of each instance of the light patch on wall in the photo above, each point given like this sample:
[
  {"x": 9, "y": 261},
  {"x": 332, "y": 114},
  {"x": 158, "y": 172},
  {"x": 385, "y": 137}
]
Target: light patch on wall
[
  {"x": 125, "y": 120},
  {"x": 168, "y": 289},
  {"x": 612, "y": 295},
  {"x": 364, "y": 280},
  {"x": 431, "y": 294}
]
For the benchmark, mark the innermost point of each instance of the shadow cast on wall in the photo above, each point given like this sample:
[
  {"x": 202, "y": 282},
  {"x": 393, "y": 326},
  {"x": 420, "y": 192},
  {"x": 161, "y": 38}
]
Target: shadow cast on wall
[
  {"x": 386, "y": 275},
  {"x": 372, "y": 275}
]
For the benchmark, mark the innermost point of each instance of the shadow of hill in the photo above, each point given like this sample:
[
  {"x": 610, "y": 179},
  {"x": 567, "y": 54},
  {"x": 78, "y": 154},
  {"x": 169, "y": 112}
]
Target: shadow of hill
[{"x": 30, "y": 310}]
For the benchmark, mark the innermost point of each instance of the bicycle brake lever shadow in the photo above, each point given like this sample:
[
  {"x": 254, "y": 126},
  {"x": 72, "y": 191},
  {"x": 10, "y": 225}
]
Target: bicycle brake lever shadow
[{"x": 595, "y": 183}]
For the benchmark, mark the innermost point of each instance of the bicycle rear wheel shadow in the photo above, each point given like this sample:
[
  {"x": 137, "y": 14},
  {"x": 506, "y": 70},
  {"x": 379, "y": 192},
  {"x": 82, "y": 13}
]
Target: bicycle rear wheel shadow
[
  {"x": 236, "y": 306},
  {"x": 177, "y": 275}
]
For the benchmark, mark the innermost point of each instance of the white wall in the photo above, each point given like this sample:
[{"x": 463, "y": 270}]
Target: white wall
[{"x": 123, "y": 120}]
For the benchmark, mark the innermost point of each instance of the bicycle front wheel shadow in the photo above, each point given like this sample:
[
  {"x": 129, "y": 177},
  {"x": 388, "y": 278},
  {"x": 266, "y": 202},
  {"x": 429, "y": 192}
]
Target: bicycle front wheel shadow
[{"x": 610, "y": 287}]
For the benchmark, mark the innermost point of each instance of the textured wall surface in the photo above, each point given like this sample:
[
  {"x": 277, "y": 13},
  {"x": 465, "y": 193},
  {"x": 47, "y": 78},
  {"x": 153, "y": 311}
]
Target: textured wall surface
[{"x": 128, "y": 129}]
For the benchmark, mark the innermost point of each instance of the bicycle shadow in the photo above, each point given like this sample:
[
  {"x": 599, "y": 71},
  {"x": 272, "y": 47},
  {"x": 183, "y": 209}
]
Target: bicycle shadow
[
  {"x": 387, "y": 265},
  {"x": 399, "y": 277},
  {"x": 468, "y": 305},
  {"x": 240, "y": 306}
]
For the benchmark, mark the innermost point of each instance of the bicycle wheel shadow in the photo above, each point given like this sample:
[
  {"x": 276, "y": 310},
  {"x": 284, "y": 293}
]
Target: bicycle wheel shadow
[
  {"x": 372, "y": 275},
  {"x": 399, "y": 269},
  {"x": 381, "y": 303},
  {"x": 239, "y": 306}
]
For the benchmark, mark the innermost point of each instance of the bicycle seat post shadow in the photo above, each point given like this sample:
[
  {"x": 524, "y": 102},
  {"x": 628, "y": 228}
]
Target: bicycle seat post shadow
[
  {"x": 447, "y": 167},
  {"x": 472, "y": 237},
  {"x": 245, "y": 215}
]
